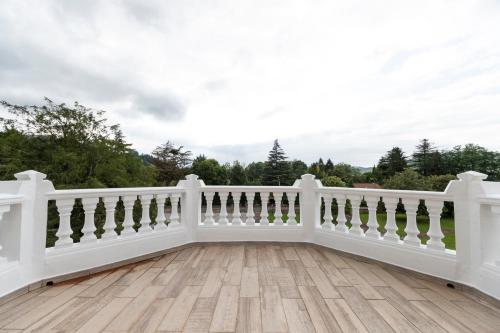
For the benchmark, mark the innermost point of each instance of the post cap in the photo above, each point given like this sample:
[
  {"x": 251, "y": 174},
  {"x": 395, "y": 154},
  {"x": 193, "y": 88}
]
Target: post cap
[
  {"x": 30, "y": 175},
  {"x": 471, "y": 176}
]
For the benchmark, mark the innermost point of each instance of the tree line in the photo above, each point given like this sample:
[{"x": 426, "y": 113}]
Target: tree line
[{"x": 77, "y": 148}]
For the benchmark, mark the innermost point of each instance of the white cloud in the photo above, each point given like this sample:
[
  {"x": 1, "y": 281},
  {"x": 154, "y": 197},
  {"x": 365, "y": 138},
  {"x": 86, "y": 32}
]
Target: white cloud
[{"x": 337, "y": 79}]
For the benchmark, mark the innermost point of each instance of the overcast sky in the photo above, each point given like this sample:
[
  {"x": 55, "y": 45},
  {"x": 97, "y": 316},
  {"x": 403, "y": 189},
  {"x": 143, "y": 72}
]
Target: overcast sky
[{"x": 340, "y": 79}]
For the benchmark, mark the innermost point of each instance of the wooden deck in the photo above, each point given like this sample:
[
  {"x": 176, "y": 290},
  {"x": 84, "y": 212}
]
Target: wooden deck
[{"x": 250, "y": 288}]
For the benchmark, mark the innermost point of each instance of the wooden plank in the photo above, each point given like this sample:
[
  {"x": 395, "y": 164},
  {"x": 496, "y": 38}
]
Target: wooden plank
[
  {"x": 213, "y": 283},
  {"x": 106, "y": 315},
  {"x": 151, "y": 318},
  {"x": 336, "y": 259},
  {"x": 165, "y": 260},
  {"x": 134, "y": 289},
  {"x": 233, "y": 273},
  {"x": 297, "y": 316},
  {"x": 305, "y": 257},
  {"x": 401, "y": 287},
  {"x": 446, "y": 321},
  {"x": 249, "y": 282},
  {"x": 346, "y": 318},
  {"x": 289, "y": 292},
  {"x": 226, "y": 310},
  {"x": 413, "y": 314},
  {"x": 456, "y": 312},
  {"x": 46, "y": 308},
  {"x": 365, "y": 270},
  {"x": 368, "y": 316},
  {"x": 299, "y": 273},
  {"x": 334, "y": 274},
  {"x": 397, "y": 321},
  {"x": 249, "y": 317},
  {"x": 359, "y": 283},
  {"x": 200, "y": 318},
  {"x": 324, "y": 286},
  {"x": 321, "y": 317},
  {"x": 289, "y": 253},
  {"x": 250, "y": 256},
  {"x": 133, "y": 311},
  {"x": 483, "y": 313},
  {"x": 104, "y": 283},
  {"x": 176, "y": 283},
  {"x": 167, "y": 274},
  {"x": 181, "y": 308},
  {"x": 273, "y": 315}
]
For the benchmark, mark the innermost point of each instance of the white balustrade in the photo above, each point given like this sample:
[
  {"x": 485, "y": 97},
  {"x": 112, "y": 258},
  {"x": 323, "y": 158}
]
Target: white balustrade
[
  {"x": 209, "y": 214},
  {"x": 64, "y": 207},
  {"x": 355, "y": 218},
  {"x": 89, "y": 207},
  {"x": 223, "y": 208},
  {"x": 391, "y": 227},
  {"x": 278, "y": 215},
  {"x": 128, "y": 222},
  {"x": 264, "y": 197},
  {"x": 236, "y": 220},
  {"x": 174, "y": 216},
  {"x": 435, "y": 207},
  {"x": 341, "y": 219},
  {"x": 145, "y": 223},
  {"x": 328, "y": 218},
  {"x": 372, "y": 224},
  {"x": 250, "y": 213},
  {"x": 110, "y": 222},
  {"x": 161, "y": 219},
  {"x": 292, "y": 216},
  {"x": 411, "y": 207}
]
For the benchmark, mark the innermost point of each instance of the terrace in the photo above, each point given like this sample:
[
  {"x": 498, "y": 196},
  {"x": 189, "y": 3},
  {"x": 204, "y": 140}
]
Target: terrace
[{"x": 199, "y": 258}]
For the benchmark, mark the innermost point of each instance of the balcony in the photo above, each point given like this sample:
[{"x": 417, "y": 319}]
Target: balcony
[{"x": 199, "y": 258}]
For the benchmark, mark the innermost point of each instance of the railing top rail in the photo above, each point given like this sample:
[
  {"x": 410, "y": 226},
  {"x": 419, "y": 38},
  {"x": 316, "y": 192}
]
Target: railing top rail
[
  {"x": 493, "y": 200},
  {"x": 387, "y": 193},
  {"x": 101, "y": 192},
  {"x": 245, "y": 188},
  {"x": 9, "y": 199}
]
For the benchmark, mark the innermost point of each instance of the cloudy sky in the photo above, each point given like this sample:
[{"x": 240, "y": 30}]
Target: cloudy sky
[{"x": 340, "y": 79}]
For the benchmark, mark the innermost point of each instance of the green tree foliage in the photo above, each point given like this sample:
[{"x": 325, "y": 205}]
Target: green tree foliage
[
  {"x": 254, "y": 172},
  {"x": 392, "y": 162},
  {"x": 472, "y": 157},
  {"x": 406, "y": 180},
  {"x": 237, "y": 174},
  {"x": 426, "y": 159},
  {"x": 298, "y": 168},
  {"x": 210, "y": 171},
  {"x": 346, "y": 172},
  {"x": 333, "y": 181},
  {"x": 277, "y": 169},
  {"x": 171, "y": 162},
  {"x": 73, "y": 145}
]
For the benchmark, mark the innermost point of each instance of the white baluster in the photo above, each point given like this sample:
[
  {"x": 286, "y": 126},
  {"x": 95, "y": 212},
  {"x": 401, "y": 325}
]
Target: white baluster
[
  {"x": 209, "y": 214},
  {"x": 64, "y": 206},
  {"x": 264, "y": 197},
  {"x": 411, "y": 207},
  {"x": 236, "y": 212},
  {"x": 223, "y": 208},
  {"x": 327, "y": 224},
  {"x": 160, "y": 217},
  {"x": 292, "y": 220},
  {"x": 110, "y": 223},
  {"x": 372, "y": 224},
  {"x": 145, "y": 223},
  {"x": 390, "y": 207},
  {"x": 89, "y": 206},
  {"x": 278, "y": 216},
  {"x": 174, "y": 216},
  {"x": 128, "y": 222},
  {"x": 435, "y": 208},
  {"x": 355, "y": 219},
  {"x": 3, "y": 209},
  {"x": 341, "y": 219},
  {"x": 250, "y": 213}
]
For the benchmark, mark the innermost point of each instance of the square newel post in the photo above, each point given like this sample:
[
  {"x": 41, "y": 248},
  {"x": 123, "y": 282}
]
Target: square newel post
[
  {"x": 465, "y": 192},
  {"x": 310, "y": 205},
  {"x": 191, "y": 204},
  {"x": 33, "y": 188}
]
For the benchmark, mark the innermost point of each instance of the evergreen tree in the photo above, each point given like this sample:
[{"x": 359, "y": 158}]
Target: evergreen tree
[
  {"x": 277, "y": 170},
  {"x": 422, "y": 157},
  {"x": 237, "y": 174},
  {"x": 328, "y": 166},
  {"x": 392, "y": 162}
]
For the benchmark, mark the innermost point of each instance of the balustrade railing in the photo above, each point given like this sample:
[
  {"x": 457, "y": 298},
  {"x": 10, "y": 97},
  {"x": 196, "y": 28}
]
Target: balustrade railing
[{"x": 95, "y": 228}]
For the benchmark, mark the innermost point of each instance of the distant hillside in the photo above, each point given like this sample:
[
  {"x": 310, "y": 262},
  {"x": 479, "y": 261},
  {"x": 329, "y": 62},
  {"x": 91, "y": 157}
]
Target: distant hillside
[{"x": 363, "y": 169}]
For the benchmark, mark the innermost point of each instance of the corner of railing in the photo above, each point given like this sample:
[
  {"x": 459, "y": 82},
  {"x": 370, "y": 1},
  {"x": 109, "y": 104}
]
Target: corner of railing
[
  {"x": 310, "y": 204},
  {"x": 191, "y": 203},
  {"x": 33, "y": 231}
]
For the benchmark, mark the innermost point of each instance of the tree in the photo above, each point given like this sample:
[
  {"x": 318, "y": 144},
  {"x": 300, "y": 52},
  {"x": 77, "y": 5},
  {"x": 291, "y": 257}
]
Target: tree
[
  {"x": 472, "y": 157},
  {"x": 211, "y": 172},
  {"x": 426, "y": 159},
  {"x": 333, "y": 181},
  {"x": 237, "y": 174},
  {"x": 171, "y": 162},
  {"x": 298, "y": 168},
  {"x": 73, "y": 145},
  {"x": 277, "y": 170},
  {"x": 392, "y": 162},
  {"x": 254, "y": 172},
  {"x": 346, "y": 172},
  {"x": 406, "y": 180},
  {"x": 328, "y": 166}
]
